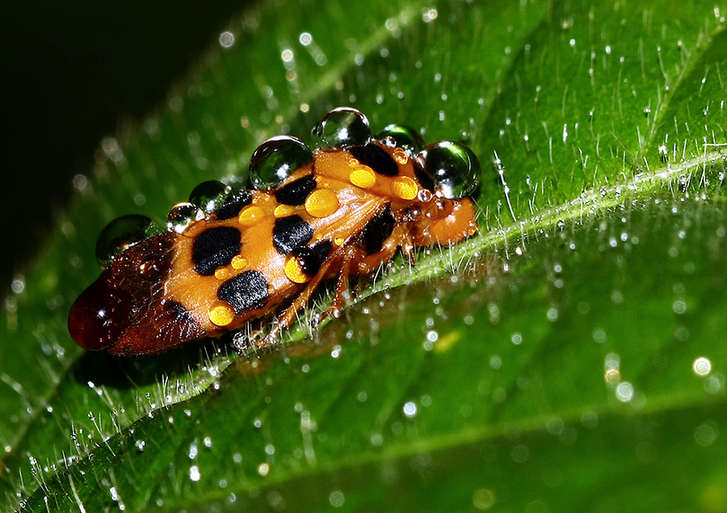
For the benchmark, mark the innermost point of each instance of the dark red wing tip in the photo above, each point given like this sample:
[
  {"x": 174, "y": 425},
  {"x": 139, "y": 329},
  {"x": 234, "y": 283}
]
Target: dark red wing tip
[{"x": 98, "y": 317}]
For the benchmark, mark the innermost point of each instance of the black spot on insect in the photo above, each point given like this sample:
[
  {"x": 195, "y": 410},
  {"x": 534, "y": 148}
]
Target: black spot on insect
[
  {"x": 290, "y": 232},
  {"x": 307, "y": 259},
  {"x": 296, "y": 192},
  {"x": 245, "y": 291},
  {"x": 322, "y": 249},
  {"x": 377, "y": 231},
  {"x": 310, "y": 259},
  {"x": 376, "y": 158},
  {"x": 233, "y": 204},
  {"x": 215, "y": 247}
]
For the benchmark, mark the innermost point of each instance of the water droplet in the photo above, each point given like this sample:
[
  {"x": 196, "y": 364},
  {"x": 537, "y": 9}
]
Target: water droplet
[
  {"x": 122, "y": 233},
  {"x": 429, "y": 15},
  {"x": 341, "y": 127},
  {"x": 483, "y": 499},
  {"x": 275, "y": 159},
  {"x": 452, "y": 167},
  {"x": 226, "y": 39},
  {"x": 624, "y": 391},
  {"x": 410, "y": 409},
  {"x": 702, "y": 366},
  {"x": 679, "y": 306},
  {"x": 207, "y": 195},
  {"x": 182, "y": 215},
  {"x": 194, "y": 474},
  {"x": 706, "y": 433},
  {"x": 403, "y": 136},
  {"x": 263, "y": 469},
  {"x": 193, "y": 450},
  {"x": 336, "y": 498},
  {"x": 305, "y": 38}
]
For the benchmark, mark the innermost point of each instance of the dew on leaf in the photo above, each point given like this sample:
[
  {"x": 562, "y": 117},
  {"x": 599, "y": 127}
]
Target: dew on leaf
[{"x": 702, "y": 366}]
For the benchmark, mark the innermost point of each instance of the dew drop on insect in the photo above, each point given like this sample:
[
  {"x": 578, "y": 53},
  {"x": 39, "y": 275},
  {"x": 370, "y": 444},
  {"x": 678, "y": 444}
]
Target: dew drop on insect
[
  {"x": 453, "y": 167},
  {"x": 341, "y": 127},
  {"x": 275, "y": 159},
  {"x": 403, "y": 136},
  {"x": 182, "y": 215},
  {"x": 120, "y": 234},
  {"x": 208, "y": 195}
]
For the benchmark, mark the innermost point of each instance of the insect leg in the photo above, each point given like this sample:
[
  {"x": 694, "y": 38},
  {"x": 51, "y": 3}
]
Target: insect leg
[{"x": 286, "y": 318}]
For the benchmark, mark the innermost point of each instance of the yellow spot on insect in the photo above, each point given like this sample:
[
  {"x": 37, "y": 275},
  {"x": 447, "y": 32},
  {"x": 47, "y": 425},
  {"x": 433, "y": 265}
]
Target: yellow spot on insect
[
  {"x": 221, "y": 315},
  {"x": 283, "y": 210},
  {"x": 238, "y": 262},
  {"x": 362, "y": 177},
  {"x": 221, "y": 273},
  {"x": 321, "y": 203},
  {"x": 400, "y": 156},
  {"x": 405, "y": 188},
  {"x": 294, "y": 272},
  {"x": 251, "y": 215},
  {"x": 339, "y": 241}
]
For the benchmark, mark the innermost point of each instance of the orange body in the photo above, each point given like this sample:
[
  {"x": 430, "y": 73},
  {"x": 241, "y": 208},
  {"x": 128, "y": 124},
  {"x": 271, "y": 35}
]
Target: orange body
[{"x": 335, "y": 217}]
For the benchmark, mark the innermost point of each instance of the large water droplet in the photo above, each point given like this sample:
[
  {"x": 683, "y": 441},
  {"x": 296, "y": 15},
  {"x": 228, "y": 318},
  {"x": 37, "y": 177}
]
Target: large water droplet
[
  {"x": 454, "y": 168},
  {"x": 120, "y": 234},
  {"x": 208, "y": 195},
  {"x": 341, "y": 127},
  {"x": 403, "y": 135},
  {"x": 275, "y": 159}
]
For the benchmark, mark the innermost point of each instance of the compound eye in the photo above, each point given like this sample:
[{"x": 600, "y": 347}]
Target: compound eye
[
  {"x": 403, "y": 136},
  {"x": 453, "y": 167},
  {"x": 122, "y": 233},
  {"x": 342, "y": 127},
  {"x": 275, "y": 159}
]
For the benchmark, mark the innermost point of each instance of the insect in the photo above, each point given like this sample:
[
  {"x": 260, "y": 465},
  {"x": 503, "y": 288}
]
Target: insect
[{"x": 233, "y": 254}]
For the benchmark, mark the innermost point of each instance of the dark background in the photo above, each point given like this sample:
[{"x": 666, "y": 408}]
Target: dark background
[{"x": 72, "y": 73}]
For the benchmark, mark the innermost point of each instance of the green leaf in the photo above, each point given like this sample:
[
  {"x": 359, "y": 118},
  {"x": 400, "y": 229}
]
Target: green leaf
[{"x": 568, "y": 357}]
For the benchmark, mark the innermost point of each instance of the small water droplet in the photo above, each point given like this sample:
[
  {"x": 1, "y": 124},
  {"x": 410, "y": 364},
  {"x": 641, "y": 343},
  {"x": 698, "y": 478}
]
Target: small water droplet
[{"x": 410, "y": 409}]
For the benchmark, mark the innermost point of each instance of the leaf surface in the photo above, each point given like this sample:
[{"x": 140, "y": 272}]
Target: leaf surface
[{"x": 569, "y": 349}]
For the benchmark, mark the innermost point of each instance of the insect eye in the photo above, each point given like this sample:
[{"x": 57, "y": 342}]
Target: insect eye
[
  {"x": 403, "y": 135},
  {"x": 453, "y": 167},
  {"x": 120, "y": 234},
  {"x": 275, "y": 159},
  {"x": 342, "y": 127}
]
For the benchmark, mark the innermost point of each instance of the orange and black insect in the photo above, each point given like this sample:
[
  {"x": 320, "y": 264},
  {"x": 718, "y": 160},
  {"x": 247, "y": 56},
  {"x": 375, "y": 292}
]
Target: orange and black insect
[{"x": 232, "y": 254}]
